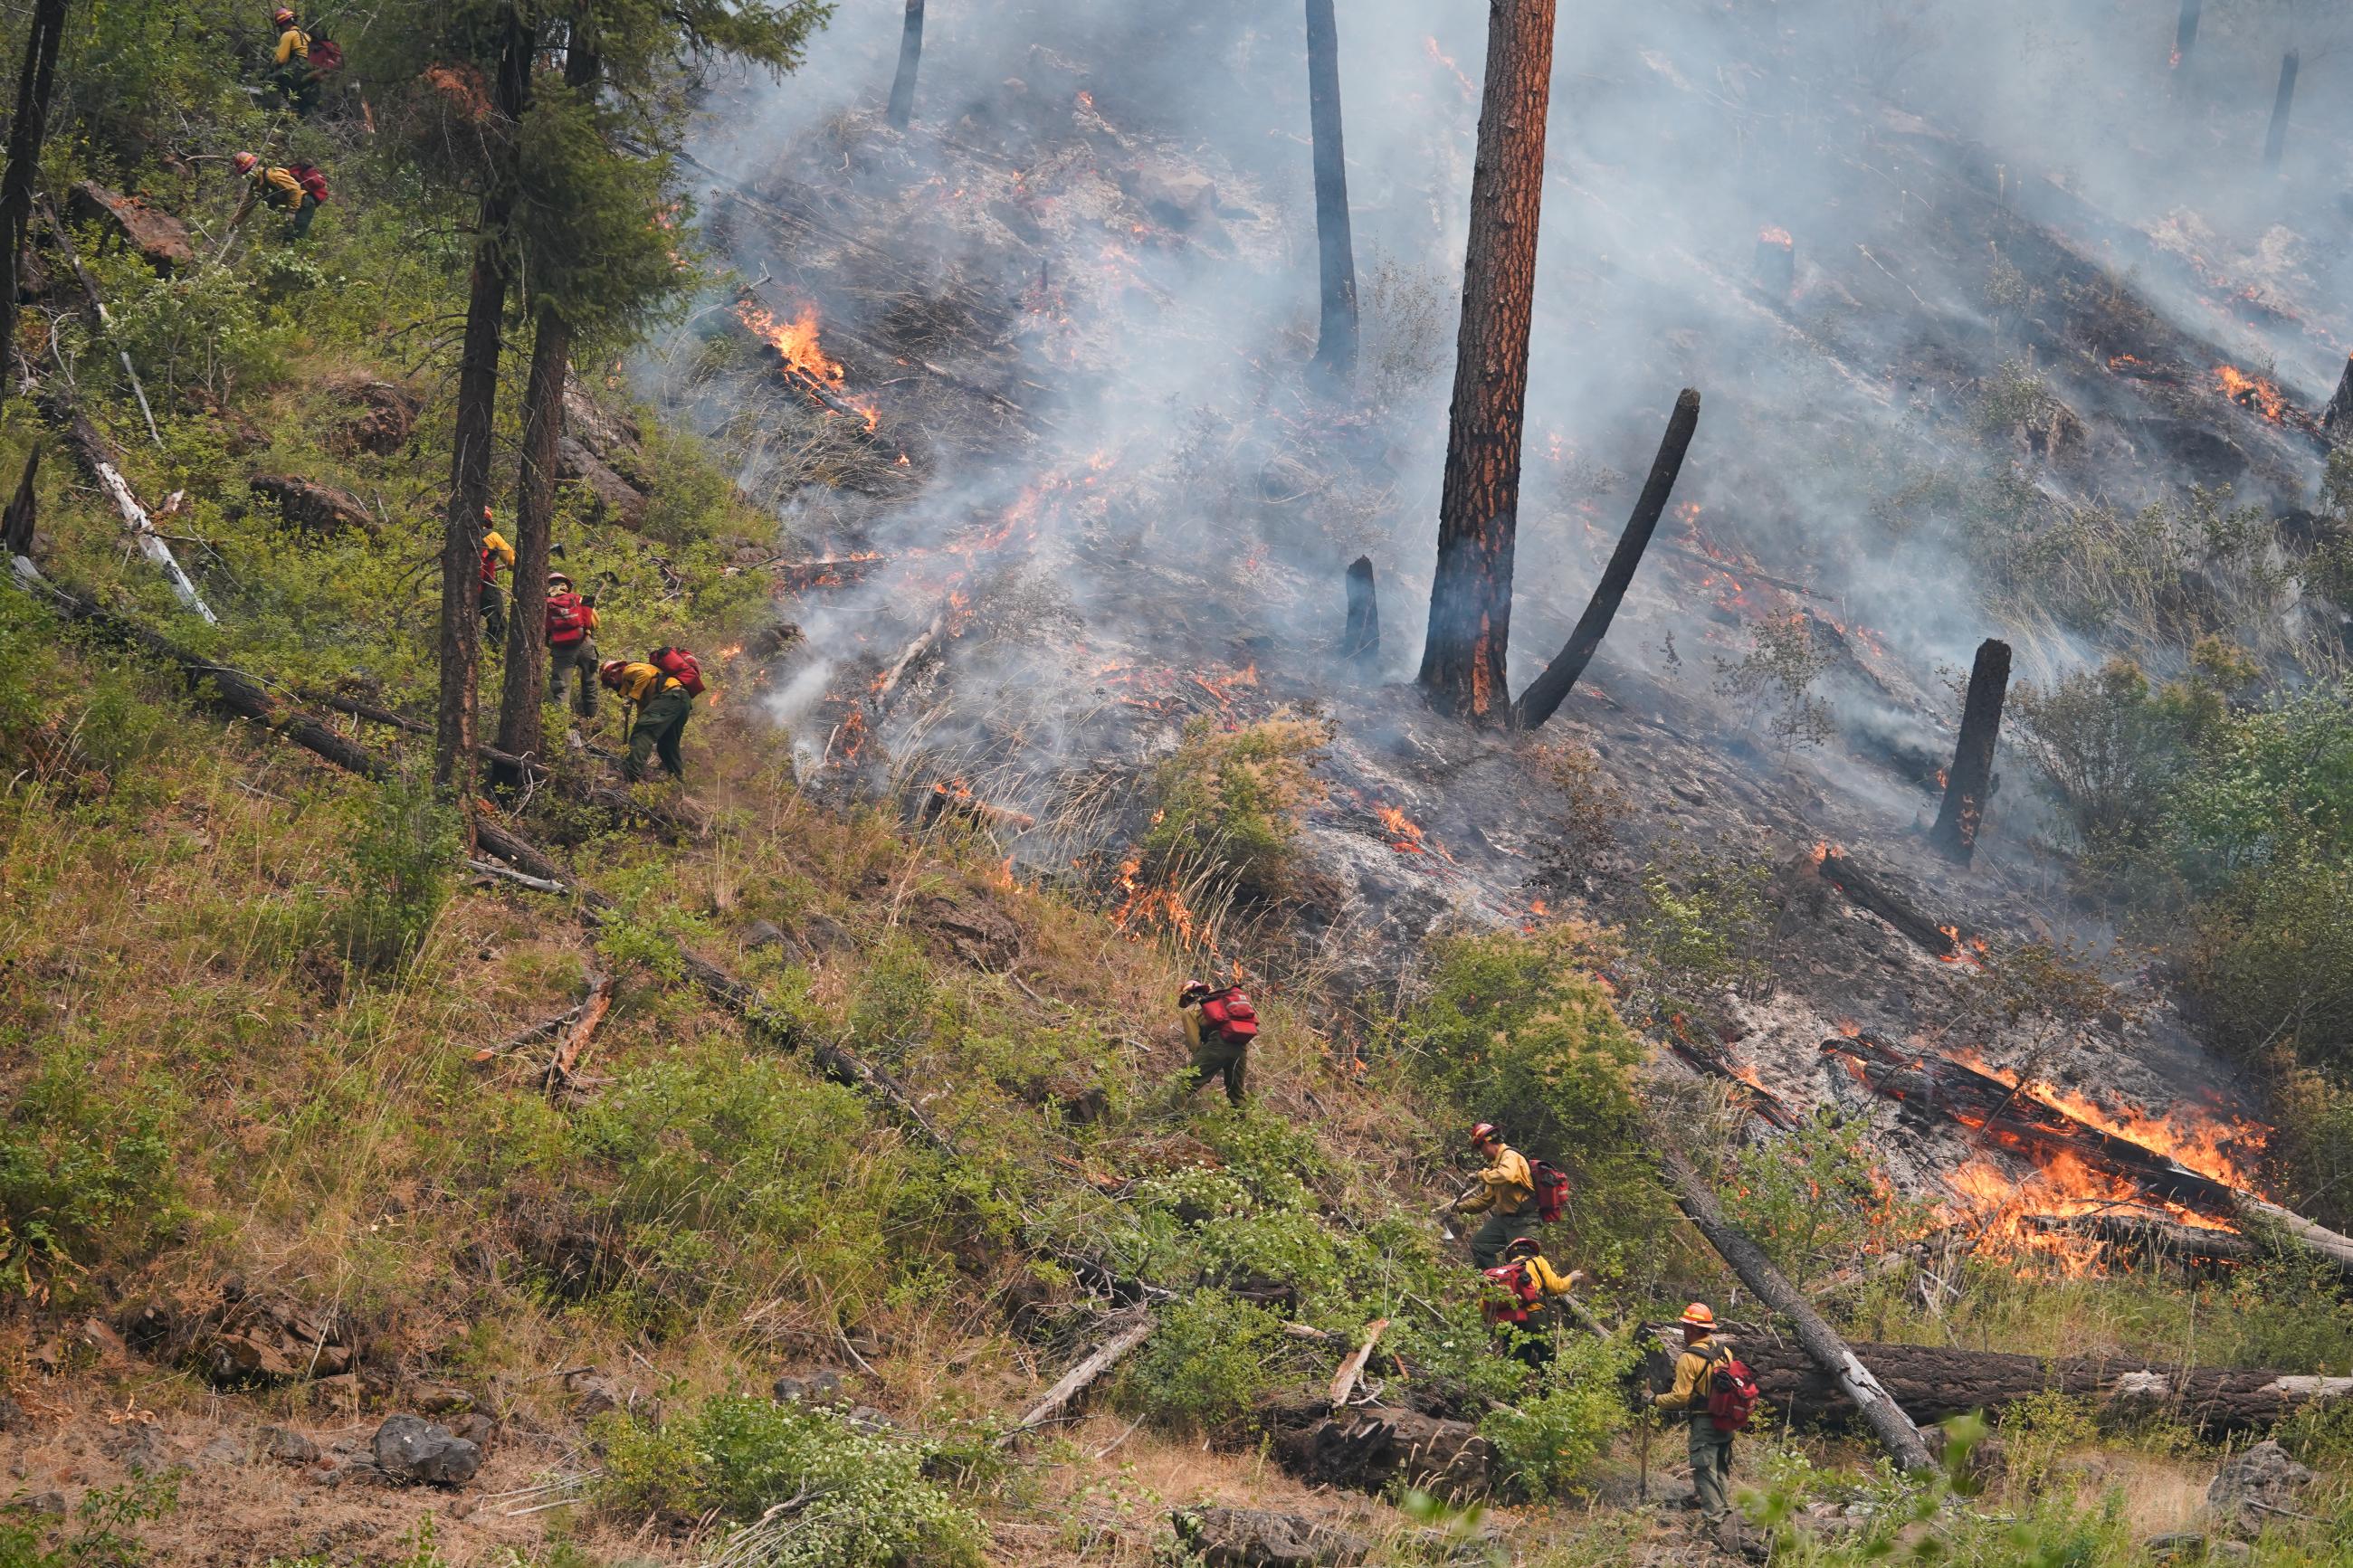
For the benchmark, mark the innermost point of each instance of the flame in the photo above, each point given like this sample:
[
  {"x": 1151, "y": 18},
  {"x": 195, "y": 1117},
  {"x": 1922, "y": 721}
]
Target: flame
[
  {"x": 1773, "y": 234},
  {"x": 2228, "y": 1150},
  {"x": 1822, "y": 850},
  {"x": 1406, "y": 834},
  {"x": 1849, "y": 1027},
  {"x": 796, "y": 342},
  {"x": 1144, "y": 905},
  {"x": 2257, "y": 393},
  {"x": 1970, "y": 953}
]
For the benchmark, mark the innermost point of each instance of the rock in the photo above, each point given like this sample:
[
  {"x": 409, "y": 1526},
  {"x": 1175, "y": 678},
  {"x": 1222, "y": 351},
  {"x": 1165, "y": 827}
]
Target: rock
[
  {"x": 383, "y": 415},
  {"x": 221, "y": 1451},
  {"x": 443, "y": 1400},
  {"x": 593, "y": 1393},
  {"x": 154, "y": 233},
  {"x": 410, "y": 1450},
  {"x": 147, "y": 1328},
  {"x": 14, "y": 1417},
  {"x": 762, "y": 933},
  {"x": 822, "y": 934},
  {"x": 314, "y": 508},
  {"x": 287, "y": 1446},
  {"x": 48, "y": 1505},
  {"x": 476, "y": 1428},
  {"x": 817, "y": 1388},
  {"x": 2256, "y": 1486},
  {"x": 1259, "y": 1537},
  {"x": 141, "y": 1449},
  {"x": 866, "y": 1418},
  {"x": 966, "y": 928},
  {"x": 615, "y": 497}
]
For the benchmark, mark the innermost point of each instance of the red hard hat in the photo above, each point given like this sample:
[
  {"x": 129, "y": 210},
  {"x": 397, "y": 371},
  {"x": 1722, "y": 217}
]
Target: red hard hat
[
  {"x": 245, "y": 162},
  {"x": 282, "y": 17},
  {"x": 1481, "y": 1133},
  {"x": 1523, "y": 1246}
]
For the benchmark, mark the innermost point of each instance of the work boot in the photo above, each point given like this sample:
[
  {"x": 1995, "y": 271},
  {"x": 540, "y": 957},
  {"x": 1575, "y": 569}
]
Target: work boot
[{"x": 1727, "y": 1534}]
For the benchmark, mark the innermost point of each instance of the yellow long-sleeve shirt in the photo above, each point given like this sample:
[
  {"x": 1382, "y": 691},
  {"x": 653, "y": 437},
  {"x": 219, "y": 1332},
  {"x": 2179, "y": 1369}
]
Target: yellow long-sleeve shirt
[
  {"x": 495, "y": 548},
  {"x": 640, "y": 681},
  {"x": 293, "y": 43},
  {"x": 1690, "y": 1392},
  {"x": 1550, "y": 1282},
  {"x": 277, "y": 187},
  {"x": 1505, "y": 1186}
]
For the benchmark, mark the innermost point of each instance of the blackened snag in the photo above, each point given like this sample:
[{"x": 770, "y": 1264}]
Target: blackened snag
[{"x": 1970, "y": 780}]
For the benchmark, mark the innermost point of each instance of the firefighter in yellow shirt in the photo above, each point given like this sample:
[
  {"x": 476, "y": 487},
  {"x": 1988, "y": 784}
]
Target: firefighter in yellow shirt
[
  {"x": 281, "y": 188},
  {"x": 294, "y": 76},
  {"x": 663, "y": 705},
  {"x": 496, "y": 551},
  {"x": 1507, "y": 1195}
]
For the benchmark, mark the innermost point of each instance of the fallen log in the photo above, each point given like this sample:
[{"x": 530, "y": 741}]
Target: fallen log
[
  {"x": 565, "y": 1063},
  {"x": 1549, "y": 690},
  {"x": 1830, "y": 1354},
  {"x": 1934, "y": 1383},
  {"x": 1867, "y": 892},
  {"x": 925, "y": 641},
  {"x": 1374, "y": 1448},
  {"x": 1343, "y": 1381},
  {"x": 97, "y": 455},
  {"x": 1969, "y": 781},
  {"x": 2152, "y": 1239},
  {"x": 1073, "y": 1382}
]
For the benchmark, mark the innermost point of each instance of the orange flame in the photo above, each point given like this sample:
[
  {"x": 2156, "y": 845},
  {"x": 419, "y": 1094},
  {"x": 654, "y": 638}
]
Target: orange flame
[
  {"x": 1772, "y": 234},
  {"x": 2222, "y": 1149},
  {"x": 2258, "y": 393},
  {"x": 1407, "y": 833},
  {"x": 796, "y": 341}
]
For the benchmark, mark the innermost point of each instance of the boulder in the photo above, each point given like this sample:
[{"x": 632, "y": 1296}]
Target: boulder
[
  {"x": 614, "y": 496},
  {"x": 314, "y": 508},
  {"x": 287, "y": 1446},
  {"x": 475, "y": 1428},
  {"x": 383, "y": 416},
  {"x": 817, "y": 1388},
  {"x": 762, "y": 933},
  {"x": 1261, "y": 1538},
  {"x": 1371, "y": 1446},
  {"x": 221, "y": 1451},
  {"x": 2256, "y": 1486},
  {"x": 154, "y": 233},
  {"x": 443, "y": 1400},
  {"x": 253, "y": 1340},
  {"x": 411, "y": 1450},
  {"x": 964, "y": 927}
]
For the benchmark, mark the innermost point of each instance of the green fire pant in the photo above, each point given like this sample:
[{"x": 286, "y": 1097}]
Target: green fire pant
[
  {"x": 1487, "y": 1243},
  {"x": 661, "y": 721},
  {"x": 495, "y": 615},
  {"x": 1711, "y": 1463},
  {"x": 566, "y": 660},
  {"x": 1215, "y": 1059}
]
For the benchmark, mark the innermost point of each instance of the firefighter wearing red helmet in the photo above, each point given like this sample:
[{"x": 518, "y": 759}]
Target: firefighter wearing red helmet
[
  {"x": 1507, "y": 1195},
  {"x": 1220, "y": 1024}
]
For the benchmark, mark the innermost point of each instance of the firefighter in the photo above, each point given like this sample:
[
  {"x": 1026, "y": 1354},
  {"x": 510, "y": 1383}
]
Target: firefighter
[
  {"x": 1520, "y": 1284},
  {"x": 297, "y": 188},
  {"x": 571, "y": 644},
  {"x": 1710, "y": 1449},
  {"x": 1220, "y": 1024},
  {"x": 293, "y": 74},
  {"x": 662, "y": 704},
  {"x": 495, "y": 550},
  {"x": 1507, "y": 1195}
]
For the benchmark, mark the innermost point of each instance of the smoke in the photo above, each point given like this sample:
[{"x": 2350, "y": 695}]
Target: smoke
[{"x": 1988, "y": 200}]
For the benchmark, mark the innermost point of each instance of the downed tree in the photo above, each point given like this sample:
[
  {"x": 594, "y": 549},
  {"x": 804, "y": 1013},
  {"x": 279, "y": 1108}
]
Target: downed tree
[
  {"x": 1075, "y": 1382},
  {"x": 1343, "y": 1381},
  {"x": 1831, "y": 1355},
  {"x": 97, "y": 455},
  {"x": 1372, "y": 1447},
  {"x": 1867, "y": 892},
  {"x": 1969, "y": 781},
  {"x": 1549, "y": 690},
  {"x": 1933, "y": 1383}
]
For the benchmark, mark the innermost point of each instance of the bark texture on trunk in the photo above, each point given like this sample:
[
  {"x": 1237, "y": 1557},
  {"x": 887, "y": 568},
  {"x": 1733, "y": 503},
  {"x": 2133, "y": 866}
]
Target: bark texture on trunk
[
  {"x": 1361, "y": 639},
  {"x": 2275, "y": 142},
  {"x": 1969, "y": 781},
  {"x": 470, "y": 455},
  {"x": 2336, "y": 419},
  {"x": 1865, "y": 892},
  {"x": 1544, "y": 694},
  {"x": 1463, "y": 661},
  {"x": 1934, "y": 1383},
  {"x": 910, "y": 56},
  {"x": 1336, "y": 347},
  {"x": 525, "y": 677},
  {"x": 1831, "y": 1355},
  {"x": 36, "y": 79}
]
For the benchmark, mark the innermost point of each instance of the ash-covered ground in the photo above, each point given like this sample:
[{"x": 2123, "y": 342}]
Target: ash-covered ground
[{"x": 1072, "y": 486}]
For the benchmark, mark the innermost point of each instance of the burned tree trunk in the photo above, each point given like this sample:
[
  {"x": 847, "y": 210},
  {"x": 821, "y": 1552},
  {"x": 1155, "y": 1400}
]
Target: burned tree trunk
[
  {"x": 1970, "y": 781},
  {"x": 34, "y": 81},
  {"x": 1865, "y": 892},
  {"x": 1362, "y": 637},
  {"x": 2185, "y": 32},
  {"x": 1336, "y": 348},
  {"x": 911, "y": 55},
  {"x": 2336, "y": 419},
  {"x": 1934, "y": 1383},
  {"x": 1549, "y": 690},
  {"x": 2275, "y": 142},
  {"x": 1463, "y": 661},
  {"x": 1829, "y": 1353},
  {"x": 525, "y": 677}
]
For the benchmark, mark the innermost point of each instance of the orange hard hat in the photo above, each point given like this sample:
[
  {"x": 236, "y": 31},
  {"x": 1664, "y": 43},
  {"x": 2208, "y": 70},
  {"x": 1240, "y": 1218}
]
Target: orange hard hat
[
  {"x": 1697, "y": 1316},
  {"x": 282, "y": 17},
  {"x": 1523, "y": 1246},
  {"x": 245, "y": 163},
  {"x": 1481, "y": 1133}
]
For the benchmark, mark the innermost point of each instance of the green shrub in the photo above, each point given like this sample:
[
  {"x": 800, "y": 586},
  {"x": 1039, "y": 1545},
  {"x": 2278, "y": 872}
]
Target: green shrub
[
  {"x": 1228, "y": 801},
  {"x": 400, "y": 859},
  {"x": 104, "y": 1530},
  {"x": 855, "y": 1498},
  {"x": 1206, "y": 1363},
  {"x": 1816, "y": 1200},
  {"x": 2270, "y": 958},
  {"x": 86, "y": 1168},
  {"x": 1776, "y": 677},
  {"x": 1549, "y": 1441},
  {"x": 1698, "y": 930}
]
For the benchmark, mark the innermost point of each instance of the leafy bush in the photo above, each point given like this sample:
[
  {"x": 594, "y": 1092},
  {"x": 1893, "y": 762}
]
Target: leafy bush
[
  {"x": 1698, "y": 930},
  {"x": 1207, "y": 1362},
  {"x": 1816, "y": 1200},
  {"x": 1784, "y": 660},
  {"x": 400, "y": 859},
  {"x": 2271, "y": 958},
  {"x": 1549, "y": 1441},
  {"x": 846, "y": 1498},
  {"x": 1230, "y": 799},
  {"x": 103, "y": 1534},
  {"x": 81, "y": 1171}
]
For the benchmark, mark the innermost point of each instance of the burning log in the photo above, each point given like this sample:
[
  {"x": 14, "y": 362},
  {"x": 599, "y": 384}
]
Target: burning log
[
  {"x": 2276, "y": 141},
  {"x": 2152, "y": 1239},
  {"x": 2336, "y": 419},
  {"x": 1361, "y": 639},
  {"x": 1336, "y": 348},
  {"x": 1549, "y": 690},
  {"x": 1866, "y": 892},
  {"x": 911, "y": 55},
  {"x": 1464, "y": 659},
  {"x": 1776, "y": 266},
  {"x": 2185, "y": 32},
  {"x": 1831, "y": 1355},
  {"x": 1933, "y": 1383},
  {"x": 800, "y": 576},
  {"x": 801, "y": 360},
  {"x": 925, "y": 641},
  {"x": 1970, "y": 781}
]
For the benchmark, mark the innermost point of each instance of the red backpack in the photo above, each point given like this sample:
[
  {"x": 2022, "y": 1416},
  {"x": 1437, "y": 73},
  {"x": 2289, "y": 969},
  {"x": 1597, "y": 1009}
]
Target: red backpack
[
  {"x": 1732, "y": 1393},
  {"x": 314, "y": 184},
  {"x": 1235, "y": 1019},
  {"x": 326, "y": 55},
  {"x": 680, "y": 665},
  {"x": 568, "y": 619},
  {"x": 1519, "y": 1286},
  {"x": 1552, "y": 1191}
]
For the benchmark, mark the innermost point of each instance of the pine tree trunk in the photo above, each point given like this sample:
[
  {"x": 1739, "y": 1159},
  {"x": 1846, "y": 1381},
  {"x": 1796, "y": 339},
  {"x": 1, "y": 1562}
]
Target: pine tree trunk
[
  {"x": 2185, "y": 31},
  {"x": 1335, "y": 348},
  {"x": 911, "y": 55},
  {"x": 2336, "y": 419},
  {"x": 470, "y": 455},
  {"x": 2275, "y": 144},
  {"x": 525, "y": 685},
  {"x": 34, "y": 81},
  {"x": 1970, "y": 780},
  {"x": 1547, "y": 691},
  {"x": 1463, "y": 661}
]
